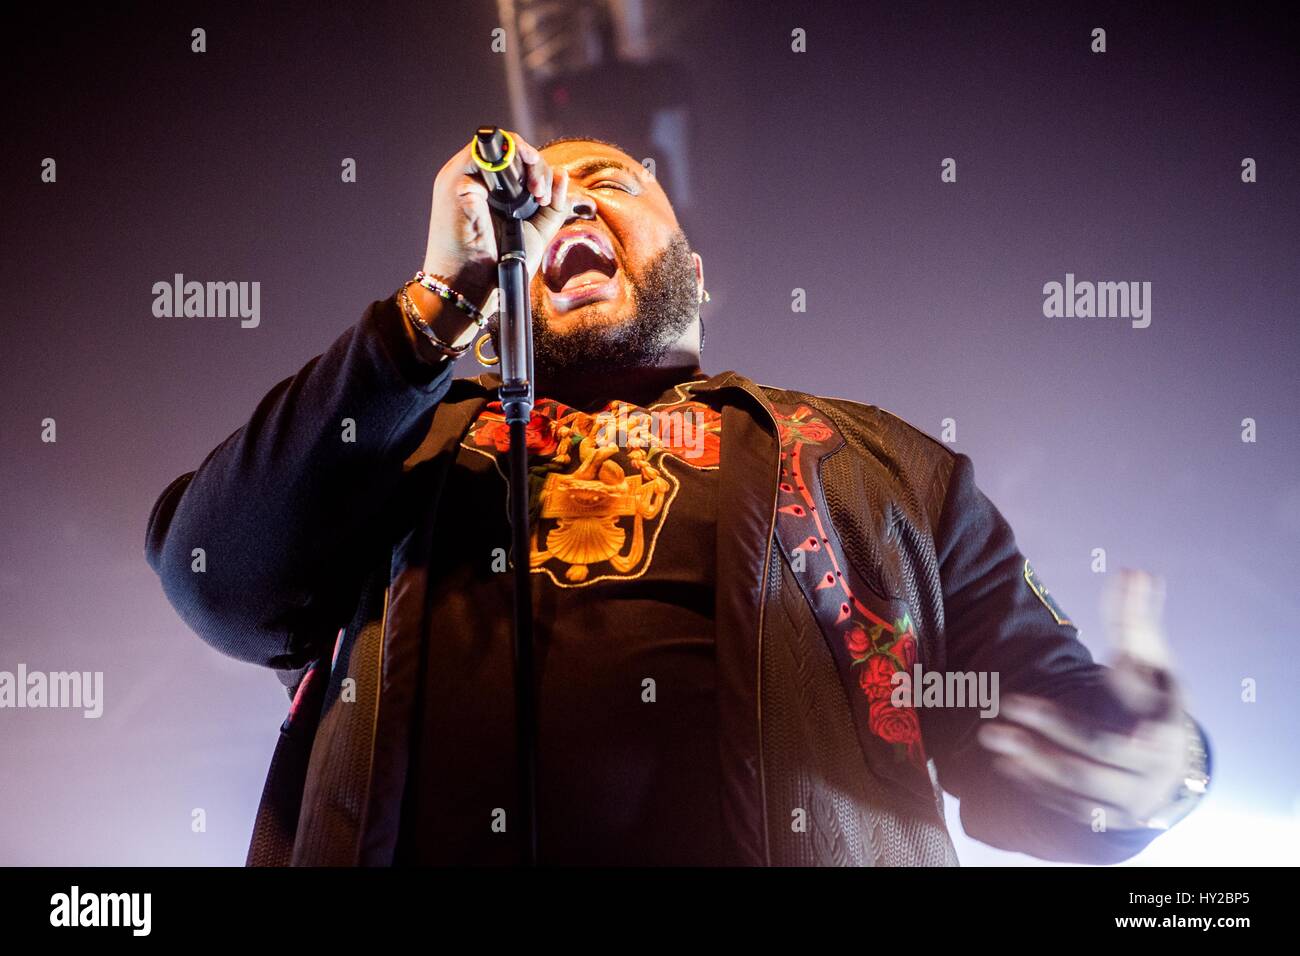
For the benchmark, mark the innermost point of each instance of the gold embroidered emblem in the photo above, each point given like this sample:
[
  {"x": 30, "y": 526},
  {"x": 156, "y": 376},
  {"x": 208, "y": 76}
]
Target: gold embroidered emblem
[
  {"x": 588, "y": 505},
  {"x": 600, "y": 491}
]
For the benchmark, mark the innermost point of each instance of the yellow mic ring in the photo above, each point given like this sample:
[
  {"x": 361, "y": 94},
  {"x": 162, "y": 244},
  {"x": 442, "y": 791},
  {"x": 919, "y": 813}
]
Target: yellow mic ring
[{"x": 506, "y": 160}]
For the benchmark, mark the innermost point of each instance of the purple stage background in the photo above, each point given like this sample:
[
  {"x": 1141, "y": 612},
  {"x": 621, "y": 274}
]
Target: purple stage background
[{"x": 816, "y": 170}]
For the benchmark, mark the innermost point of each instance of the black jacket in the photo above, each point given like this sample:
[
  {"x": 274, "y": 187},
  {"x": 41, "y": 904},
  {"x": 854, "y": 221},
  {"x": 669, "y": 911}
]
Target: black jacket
[{"x": 315, "y": 551}]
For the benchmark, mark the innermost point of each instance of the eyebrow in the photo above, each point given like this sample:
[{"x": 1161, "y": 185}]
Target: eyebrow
[{"x": 585, "y": 169}]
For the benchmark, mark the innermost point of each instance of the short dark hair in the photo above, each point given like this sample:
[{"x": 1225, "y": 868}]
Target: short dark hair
[{"x": 584, "y": 139}]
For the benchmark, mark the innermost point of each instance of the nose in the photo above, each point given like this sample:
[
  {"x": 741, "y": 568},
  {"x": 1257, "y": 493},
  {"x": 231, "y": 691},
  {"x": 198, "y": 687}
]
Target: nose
[{"x": 583, "y": 207}]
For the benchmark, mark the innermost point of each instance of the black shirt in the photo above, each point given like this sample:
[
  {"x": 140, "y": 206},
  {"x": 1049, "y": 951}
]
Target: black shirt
[{"x": 623, "y": 516}]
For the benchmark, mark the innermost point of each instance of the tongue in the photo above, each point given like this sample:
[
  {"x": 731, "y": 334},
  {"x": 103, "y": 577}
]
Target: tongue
[{"x": 590, "y": 277}]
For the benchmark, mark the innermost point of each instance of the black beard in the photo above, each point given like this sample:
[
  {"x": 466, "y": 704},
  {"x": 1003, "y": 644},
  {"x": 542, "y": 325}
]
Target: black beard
[{"x": 665, "y": 303}]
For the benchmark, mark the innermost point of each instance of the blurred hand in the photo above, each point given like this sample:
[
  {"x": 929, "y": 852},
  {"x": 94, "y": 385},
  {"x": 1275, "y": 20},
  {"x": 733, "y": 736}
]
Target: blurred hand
[{"x": 1076, "y": 767}]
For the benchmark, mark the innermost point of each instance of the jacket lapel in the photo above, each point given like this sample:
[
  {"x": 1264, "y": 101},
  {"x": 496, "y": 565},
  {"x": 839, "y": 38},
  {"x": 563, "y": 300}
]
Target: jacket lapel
[
  {"x": 405, "y": 620},
  {"x": 776, "y": 469},
  {"x": 871, "y": 638},
  {"x": 747, "y": 470}
]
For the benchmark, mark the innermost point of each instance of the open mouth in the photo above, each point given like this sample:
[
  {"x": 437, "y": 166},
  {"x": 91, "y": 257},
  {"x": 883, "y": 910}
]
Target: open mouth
[{"x": 579, "y": 267}]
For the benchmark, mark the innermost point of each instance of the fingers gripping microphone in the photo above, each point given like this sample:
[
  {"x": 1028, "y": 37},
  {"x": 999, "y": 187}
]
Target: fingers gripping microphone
[{"x": 496, "y": 157}]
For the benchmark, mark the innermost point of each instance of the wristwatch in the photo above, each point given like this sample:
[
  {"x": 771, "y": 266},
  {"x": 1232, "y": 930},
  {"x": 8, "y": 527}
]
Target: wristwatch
[{"x": 1196, "y": 780}]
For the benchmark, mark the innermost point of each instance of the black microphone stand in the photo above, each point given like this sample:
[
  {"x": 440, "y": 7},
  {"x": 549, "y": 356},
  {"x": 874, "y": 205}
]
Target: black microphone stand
[
  {"x": 515, "y": 342},
  {"x": 515, "y": 351}
]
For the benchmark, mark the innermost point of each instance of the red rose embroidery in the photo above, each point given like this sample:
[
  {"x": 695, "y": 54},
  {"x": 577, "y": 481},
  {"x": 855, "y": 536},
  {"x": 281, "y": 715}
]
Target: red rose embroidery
[
  {"x": 876, "y": 678},
  {"x": 680, "y": 438},
  {"x": 896, "y": 725},
  {"x": 492, "y": 431},
  {"x": 803, "y": 427},
  {"x": 815, "y": 431},
  {"x": 905, "y": 650},
  {"x": 881, "y": 662},
  {"x": 858, "y": 642}
]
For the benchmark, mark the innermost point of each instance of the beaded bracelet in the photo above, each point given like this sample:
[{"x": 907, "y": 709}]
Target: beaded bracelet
[
  {"x": 444, "y": 291},
  {"x": 416, "y": 319}
]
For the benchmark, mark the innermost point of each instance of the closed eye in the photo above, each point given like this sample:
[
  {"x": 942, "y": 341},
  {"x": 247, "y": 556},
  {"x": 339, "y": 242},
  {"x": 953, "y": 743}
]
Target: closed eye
[{"x": 610, "y": 182}]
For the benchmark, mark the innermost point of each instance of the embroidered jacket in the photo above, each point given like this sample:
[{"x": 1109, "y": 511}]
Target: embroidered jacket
[{"x": 850, "y": 546}]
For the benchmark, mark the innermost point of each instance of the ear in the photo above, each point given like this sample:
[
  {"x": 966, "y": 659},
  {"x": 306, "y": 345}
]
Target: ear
[{"x": 699, "y": 277}]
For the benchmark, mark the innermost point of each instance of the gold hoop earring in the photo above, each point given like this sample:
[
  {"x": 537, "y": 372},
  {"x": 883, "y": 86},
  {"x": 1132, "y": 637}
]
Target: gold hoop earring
[{"x": 478, "y": 351}]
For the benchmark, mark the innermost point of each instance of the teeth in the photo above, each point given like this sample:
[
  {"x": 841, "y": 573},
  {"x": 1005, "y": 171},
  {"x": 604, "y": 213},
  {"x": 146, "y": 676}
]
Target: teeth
[
  {"x": 569, "y": 242},
  {"x": 583, "y": 274}
]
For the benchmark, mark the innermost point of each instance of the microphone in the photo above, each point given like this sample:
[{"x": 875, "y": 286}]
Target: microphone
[{"x": 496, "y": 157}]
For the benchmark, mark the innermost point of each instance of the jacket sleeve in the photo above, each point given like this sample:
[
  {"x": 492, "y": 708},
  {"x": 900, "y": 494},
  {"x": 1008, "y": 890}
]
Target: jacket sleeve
[
  {"x": 996, "y": 622},
  {"x": 290, "y": 515}
]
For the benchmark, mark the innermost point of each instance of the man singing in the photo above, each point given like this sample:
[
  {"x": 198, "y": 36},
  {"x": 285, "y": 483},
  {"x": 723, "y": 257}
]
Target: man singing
[{"x": 738, "y": 590}]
